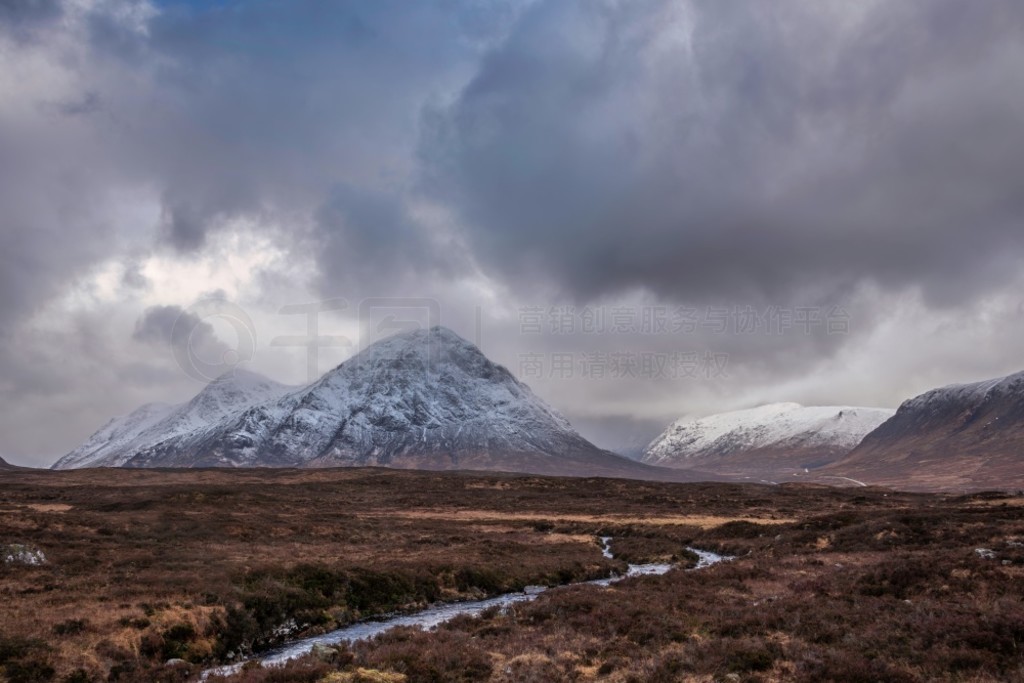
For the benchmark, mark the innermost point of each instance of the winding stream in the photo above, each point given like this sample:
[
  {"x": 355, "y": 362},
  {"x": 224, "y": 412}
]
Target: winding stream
[{"x": 439, "y": 614}]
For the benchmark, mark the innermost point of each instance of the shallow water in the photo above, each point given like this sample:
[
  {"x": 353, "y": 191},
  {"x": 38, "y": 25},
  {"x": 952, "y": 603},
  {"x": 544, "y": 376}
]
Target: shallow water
[{"x": 439, "y": 614}]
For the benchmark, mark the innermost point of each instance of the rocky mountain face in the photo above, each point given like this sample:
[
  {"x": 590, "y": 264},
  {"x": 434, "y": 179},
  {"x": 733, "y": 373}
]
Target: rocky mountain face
[
  {"x": 964, "y": 436},
  {"x": 424, "y": 399},
  {"x": 773, "y": 442}
]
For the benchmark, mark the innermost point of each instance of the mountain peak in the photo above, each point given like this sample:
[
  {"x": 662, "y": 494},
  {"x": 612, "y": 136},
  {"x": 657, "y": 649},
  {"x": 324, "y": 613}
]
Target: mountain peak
[
  {"x": 241, "y": 377},
  {"x": 969, "y": 391},
  {"x": 154, "y": 423},
  {"x": 423, "y": 398},
  {"x": 954, "y": 437},
  {"x": 420, "y": 390},
  {"x": 233, "y": 389},
  {"x": 419, "y": 338},
  {"x": 420, "y": 353}
]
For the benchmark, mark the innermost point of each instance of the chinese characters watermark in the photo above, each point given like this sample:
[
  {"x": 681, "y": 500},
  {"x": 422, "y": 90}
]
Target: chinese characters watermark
[
  {"x": 680, "y": 320},
  {"x": 618, "y": 365}
]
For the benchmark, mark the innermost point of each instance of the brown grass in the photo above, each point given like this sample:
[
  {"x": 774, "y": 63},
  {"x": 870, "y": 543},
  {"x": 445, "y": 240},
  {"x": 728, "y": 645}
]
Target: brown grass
[
  {"x": 699, "y": 521},
  {"x": 149, "y": 565}
]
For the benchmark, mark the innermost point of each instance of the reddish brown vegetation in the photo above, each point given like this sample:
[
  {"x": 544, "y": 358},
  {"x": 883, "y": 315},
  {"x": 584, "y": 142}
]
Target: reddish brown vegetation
[{"x": 149, "y": 566}]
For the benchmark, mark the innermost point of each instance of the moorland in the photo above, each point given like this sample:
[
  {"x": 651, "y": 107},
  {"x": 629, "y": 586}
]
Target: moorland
[{"x": 156, "y": 575}]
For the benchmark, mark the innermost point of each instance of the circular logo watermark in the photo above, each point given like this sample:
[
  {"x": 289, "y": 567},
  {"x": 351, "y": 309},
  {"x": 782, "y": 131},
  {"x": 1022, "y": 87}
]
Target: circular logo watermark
[{"x": 199, "y": 350}]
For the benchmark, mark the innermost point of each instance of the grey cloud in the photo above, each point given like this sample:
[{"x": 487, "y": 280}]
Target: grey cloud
[
  {"x": 156, "y": 326},
  {"x": 20, "y": 15},
  {"x": 89, "y": 103},
  {"x": 184, "y": 227},
  {"x": 59, "y": 385},
  {"x": 251, "y": 110},
  {"x": 45, "y": 240},
  {"x": 280, "y": 103},
  {"x": 368, "y": 244},
  {"x": 134, "y": 278},
  {"x": 768, "y": 151},
  {"x": 185, "y": 334},
  {"x": 58, "y": 179},
  {"x": 785, "y": 153},
  {"x": 626, "y": 435}
]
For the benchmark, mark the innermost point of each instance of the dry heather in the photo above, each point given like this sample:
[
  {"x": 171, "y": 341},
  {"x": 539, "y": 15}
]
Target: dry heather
[{"x": 145, "y": 567}]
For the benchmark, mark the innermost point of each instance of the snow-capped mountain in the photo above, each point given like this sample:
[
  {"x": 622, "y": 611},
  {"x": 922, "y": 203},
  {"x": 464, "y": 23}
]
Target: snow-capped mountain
[
  {"x": 770, "y": 441},
  {"x": 424, "y": 399},
  {"x": 959, "y": 436},
  {"x": 154, "y": 423}
]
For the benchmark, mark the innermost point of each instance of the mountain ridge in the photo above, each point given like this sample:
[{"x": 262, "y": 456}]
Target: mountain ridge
[
  {"x": 155, "y": 422},
  {"x": 968, "y": 435},
  {"x": 423, "y": 399}
]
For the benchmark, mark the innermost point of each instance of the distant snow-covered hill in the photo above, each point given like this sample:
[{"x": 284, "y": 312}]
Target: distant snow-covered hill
[{"x": 768, "y": 442}]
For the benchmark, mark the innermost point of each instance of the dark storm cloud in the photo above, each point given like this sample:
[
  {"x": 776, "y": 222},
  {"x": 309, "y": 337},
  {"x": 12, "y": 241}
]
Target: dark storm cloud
[
  {"x": 184, "y": 227},
  {"x": 156, "y": 326},
  {"x": 25, "y": 14},
  {"x": 266, "y": 108},
  {"x": 183, "y": 331},
  {"x": 712, "y": 152},
  {"x": 743, "y": 151},
  {"x": 364, "y": 236},
  {"x": 784, "y": 153},
  {"x": 283, "y": 101},
  {"x": 252, "y": 110},
  {"x": 40, "y": 250}
]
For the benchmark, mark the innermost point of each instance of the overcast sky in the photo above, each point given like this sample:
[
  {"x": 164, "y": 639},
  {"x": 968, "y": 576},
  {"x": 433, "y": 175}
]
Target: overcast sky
[{"x": 644, "y": 208}]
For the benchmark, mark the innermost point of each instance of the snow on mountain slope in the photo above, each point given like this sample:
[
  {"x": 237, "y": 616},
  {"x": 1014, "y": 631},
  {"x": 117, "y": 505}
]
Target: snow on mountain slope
[
  {"x": 802, "y": 436},
  {"x": 225, "y": 397},
  {"x": 154, "y": 423},
  {"x": 427, "y": 396},
  {"x": 969, "y": 395},
  {"x": 962, "y": 436},
  {"x": 114, "y": 437}
]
